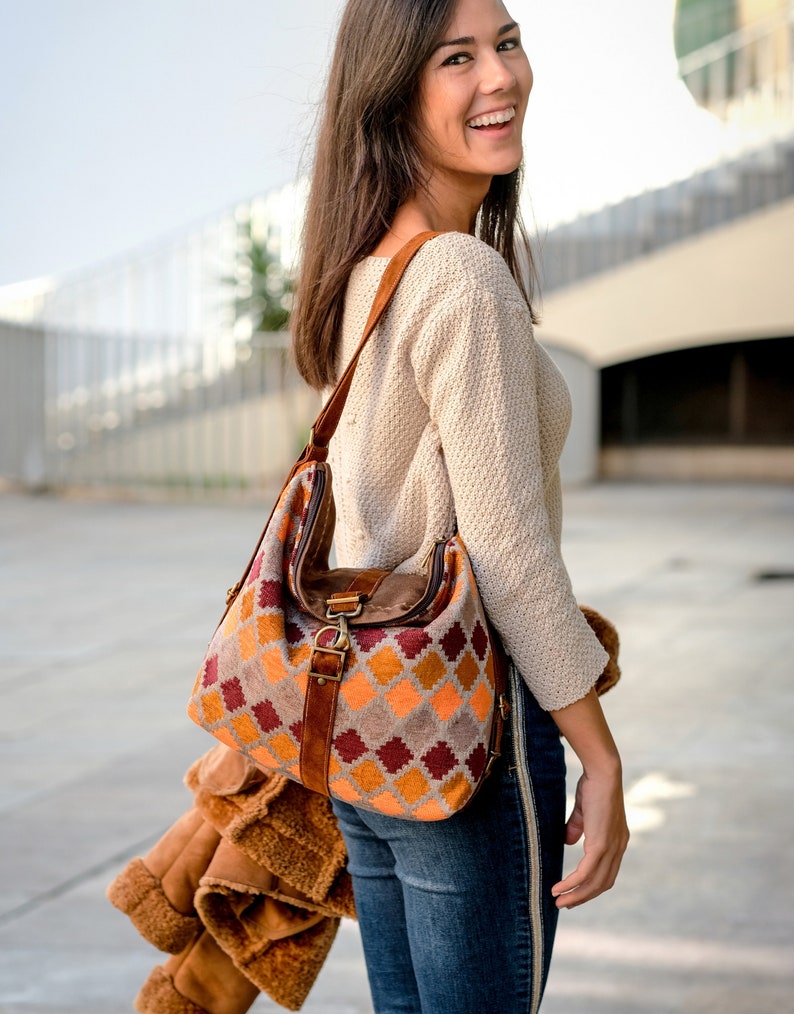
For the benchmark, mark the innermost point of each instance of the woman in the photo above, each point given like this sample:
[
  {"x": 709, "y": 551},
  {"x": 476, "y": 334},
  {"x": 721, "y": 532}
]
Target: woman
[{"x": 455, "y": 416}]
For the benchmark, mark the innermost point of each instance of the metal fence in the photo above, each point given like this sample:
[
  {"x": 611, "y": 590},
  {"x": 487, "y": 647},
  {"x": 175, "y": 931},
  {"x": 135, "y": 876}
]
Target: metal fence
[{"x": 83, "y": 409}]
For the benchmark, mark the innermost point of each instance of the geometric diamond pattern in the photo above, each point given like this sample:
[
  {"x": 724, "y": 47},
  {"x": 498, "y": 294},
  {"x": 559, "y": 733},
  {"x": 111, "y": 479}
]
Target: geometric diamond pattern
[{"x": 389, "y": 752}]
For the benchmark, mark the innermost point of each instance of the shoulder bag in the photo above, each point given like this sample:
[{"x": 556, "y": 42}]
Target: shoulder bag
[{"x": 382, "y": 689}]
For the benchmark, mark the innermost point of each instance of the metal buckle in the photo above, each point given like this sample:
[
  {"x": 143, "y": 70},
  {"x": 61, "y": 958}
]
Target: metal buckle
[
  {"x": 321, "y": 677},
  {"x": 339, "y": 647},
  {"x": 345, "y": 613}
]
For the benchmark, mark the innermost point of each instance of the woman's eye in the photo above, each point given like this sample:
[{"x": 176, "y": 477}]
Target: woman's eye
[
  {"x": 456, "y": 60},
  {"x": 507, "y": 44}
]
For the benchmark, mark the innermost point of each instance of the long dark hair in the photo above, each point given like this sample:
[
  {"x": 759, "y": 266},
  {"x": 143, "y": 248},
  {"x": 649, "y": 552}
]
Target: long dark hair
[{"x": 367, "y": 163}]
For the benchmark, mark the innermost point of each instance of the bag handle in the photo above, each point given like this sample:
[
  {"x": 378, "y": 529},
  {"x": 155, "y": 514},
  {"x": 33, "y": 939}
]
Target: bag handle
[{"x": 327, "y": 421}]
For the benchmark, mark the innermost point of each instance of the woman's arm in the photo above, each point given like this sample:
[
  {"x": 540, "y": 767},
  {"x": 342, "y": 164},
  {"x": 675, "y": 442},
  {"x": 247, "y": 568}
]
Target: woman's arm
[{"x": 599, "y": 813}]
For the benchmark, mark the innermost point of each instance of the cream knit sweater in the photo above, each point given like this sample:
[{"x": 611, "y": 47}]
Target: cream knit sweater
[{"x": 456, "y": 413}]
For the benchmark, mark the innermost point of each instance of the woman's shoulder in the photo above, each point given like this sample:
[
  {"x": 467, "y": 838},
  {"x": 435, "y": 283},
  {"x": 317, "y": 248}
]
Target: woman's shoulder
[{"x": 462, "y": 265}]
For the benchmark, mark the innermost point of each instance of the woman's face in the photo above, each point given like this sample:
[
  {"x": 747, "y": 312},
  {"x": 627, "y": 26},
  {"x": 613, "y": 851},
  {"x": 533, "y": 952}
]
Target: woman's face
[{"x": 474, "y": 93}]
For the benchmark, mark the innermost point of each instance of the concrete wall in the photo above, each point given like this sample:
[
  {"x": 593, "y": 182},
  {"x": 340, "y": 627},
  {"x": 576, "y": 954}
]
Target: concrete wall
[
  {"x": 732, "y": 283},
  {"x": 579, "y": 462},
  {"x": 23, "y": 456}
]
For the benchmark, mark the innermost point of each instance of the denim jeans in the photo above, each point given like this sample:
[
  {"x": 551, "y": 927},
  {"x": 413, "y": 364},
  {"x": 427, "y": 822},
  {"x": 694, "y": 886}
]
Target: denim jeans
[{"x": 457, "y": 916}]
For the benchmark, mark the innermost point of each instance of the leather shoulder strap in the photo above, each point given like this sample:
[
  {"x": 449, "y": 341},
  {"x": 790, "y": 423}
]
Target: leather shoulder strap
[{"x": 326, "y": 422}]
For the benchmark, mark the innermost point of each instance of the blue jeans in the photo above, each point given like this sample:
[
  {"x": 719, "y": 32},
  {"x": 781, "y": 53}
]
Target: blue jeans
[{"x": 457, "y": 916}]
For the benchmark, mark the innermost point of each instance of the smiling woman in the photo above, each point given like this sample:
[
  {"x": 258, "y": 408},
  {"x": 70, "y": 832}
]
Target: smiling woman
[
  {"x": 455, "y": 419},
  {"x": 473, "y": 99}
]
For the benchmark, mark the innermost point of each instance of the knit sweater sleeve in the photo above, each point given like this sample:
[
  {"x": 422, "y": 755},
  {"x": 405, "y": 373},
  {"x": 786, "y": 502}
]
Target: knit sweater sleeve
[{"x": 476, "y": 366}]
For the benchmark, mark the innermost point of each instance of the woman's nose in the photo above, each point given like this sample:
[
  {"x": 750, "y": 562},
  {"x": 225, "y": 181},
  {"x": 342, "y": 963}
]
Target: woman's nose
[{"x": 496, "y": 75}]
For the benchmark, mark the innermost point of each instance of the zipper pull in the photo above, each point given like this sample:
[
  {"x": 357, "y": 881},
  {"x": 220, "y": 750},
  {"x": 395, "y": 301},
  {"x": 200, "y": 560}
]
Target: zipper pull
[{"x": 429, "y": 553}]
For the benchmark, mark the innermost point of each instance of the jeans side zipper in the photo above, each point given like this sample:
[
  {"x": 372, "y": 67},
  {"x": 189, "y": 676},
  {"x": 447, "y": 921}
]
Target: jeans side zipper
[{"x": 533, "y": 842}]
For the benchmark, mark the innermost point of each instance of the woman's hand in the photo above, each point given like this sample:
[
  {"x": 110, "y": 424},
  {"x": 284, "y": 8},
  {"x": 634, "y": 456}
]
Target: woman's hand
[{"x": 599, "y": 812}]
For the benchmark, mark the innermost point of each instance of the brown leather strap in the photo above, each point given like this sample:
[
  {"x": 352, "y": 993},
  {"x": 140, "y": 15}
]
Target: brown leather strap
[
  {"x": 361, "y": 589},
  {"x": 326, "y": 422},
  {"x": 319, "y": 712}
]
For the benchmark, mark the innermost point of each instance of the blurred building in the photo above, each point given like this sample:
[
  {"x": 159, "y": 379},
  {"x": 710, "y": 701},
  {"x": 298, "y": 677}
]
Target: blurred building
[
  {"x": 681, "y": 300},
  {"x": 671, "y": 314}
]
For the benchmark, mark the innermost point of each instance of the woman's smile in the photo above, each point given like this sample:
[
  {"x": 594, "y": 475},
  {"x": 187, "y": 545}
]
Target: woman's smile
[
  {"x": 474, "y": 95},
  {"x": 489, "y": 121}
]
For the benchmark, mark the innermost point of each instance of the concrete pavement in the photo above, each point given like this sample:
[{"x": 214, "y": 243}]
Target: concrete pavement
[{"x": 104, "y": 612}]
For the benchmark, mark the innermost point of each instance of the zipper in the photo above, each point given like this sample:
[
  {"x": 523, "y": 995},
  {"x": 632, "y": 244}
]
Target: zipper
[
  {"x": 533, "y": 843},
  {"x": 437, "y": 572},
  {"x": 311, "y": 511}
]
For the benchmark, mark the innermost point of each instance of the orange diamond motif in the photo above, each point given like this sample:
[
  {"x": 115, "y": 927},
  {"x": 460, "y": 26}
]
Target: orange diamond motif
[
  {"x": 413, "y": 785},
  {"x": 368, "y": 775},
  {"x": 389, "y": 804},
  {"x": 467, "y": 671},
  {"x": 232, "y": 620},
  {"x": 456, "y": 790},
  {"x": 245, "y": 729},
  {"x": 270, "y": 627},
  {"x": 431, "y": 810},
  {"x": 358, "y": 691},
  {"x": 403, "y": 698},
  {"x": 247, "y": 604},
  {"x": 385, "y": 665},
  {"x": 346, "y": 790},
  {"x": 284, "y": 528},
  {"x": 299, "y": 656},
  {"x": 247, "y": 641},
  {"x": 481, "y": 701},
  {"x": 212, "y": 706},
  {"x": 226, "y": 737},
  {"x": 264, "y": 757},
  {"x": 446, "y": 701},
  {"x": 273, "y": 665},
  {"x": 283, "y": 747},
  {"x": 430, "y": 670}
]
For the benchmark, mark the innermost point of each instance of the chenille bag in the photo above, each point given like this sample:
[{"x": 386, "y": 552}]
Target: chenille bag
[{"x": 382, "y": 689}]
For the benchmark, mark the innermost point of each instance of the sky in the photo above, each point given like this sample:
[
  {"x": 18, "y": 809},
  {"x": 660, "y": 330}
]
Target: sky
[{"x": 123, "y": 122}]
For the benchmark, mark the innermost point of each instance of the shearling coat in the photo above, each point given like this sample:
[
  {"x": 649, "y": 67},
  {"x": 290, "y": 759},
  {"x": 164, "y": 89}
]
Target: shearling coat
[{"x": 245, "y": 891}]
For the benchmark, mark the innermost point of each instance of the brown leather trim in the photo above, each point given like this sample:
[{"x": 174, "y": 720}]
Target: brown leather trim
[
  {"x": 366, "y": 582},
  {"x": 319, "y": 712},
  {"x": 326, "y": 422},
  {"x": 361, "y": 588}
]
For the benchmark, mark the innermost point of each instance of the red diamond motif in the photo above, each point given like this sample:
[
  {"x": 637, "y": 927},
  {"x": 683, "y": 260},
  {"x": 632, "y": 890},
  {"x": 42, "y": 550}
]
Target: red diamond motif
[
  {"x": 293, "y": 633},
  {"x": 453, "y": 642},
  {"x": 439, "y": 760},
  {"x": 476, "y": 761},
  {"x": 270, "y": 595},
  {"x": 350, "y": 746},
  {"x": 297, "y": 730},
  {"x": 394, "y": 755},
  {"x": 267, "y": 716},
  {"x": 413, "y": 641},
  {"x": 256, "y": 570},
  {"x": 479, "y": 641},
  {"x": 367, "y": 638},
  {"x": 211, "y": 671},
  {"x": 233, "y": 696}
]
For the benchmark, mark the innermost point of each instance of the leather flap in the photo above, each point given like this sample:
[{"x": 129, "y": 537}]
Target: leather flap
[{"x": 394, "y": 597}]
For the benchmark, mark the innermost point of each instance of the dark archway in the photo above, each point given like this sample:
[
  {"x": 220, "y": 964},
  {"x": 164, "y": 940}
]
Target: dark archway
[{"x": 735, "y": 394}]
